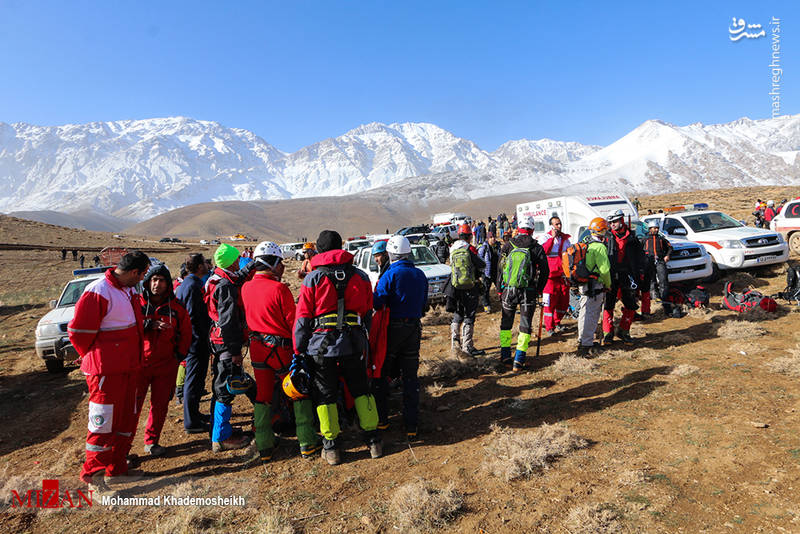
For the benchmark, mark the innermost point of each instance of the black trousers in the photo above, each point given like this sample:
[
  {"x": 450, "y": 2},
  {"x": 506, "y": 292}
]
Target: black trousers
[
  {"x": 656, "y": 278},
  {"x": 487, "y": 289},
  {"x": 193, "y": 386},
  {"x": 463, "y": 304},
  {"x": 526, "y": 300},
  {"x": 326, "y": 372},
  {"x": 621, "y": 282},
  {"x": 402, "y": 360}
]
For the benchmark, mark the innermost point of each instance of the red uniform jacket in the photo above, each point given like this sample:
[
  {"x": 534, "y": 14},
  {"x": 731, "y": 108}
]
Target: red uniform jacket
[
  {"x": 318, "y": 297},
  {"x": 165, "y": 347},
  {"x": 268, "y": 305},
  {"x": 224, "y": 301},
  {"x": 106, "y": 330},
  {"x": 554, "y": 248}
]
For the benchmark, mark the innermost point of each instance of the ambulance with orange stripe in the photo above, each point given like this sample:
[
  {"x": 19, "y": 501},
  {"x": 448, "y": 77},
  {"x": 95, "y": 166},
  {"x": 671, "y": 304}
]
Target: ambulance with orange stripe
[
  {"x": 731, "y": 244},
  {"x": 787, "y": 223}
]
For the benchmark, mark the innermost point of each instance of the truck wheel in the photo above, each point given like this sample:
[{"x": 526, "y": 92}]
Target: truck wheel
[
  {"x": 54, "y": 366},
  {"x": 794, "y": 242},
  {"x": 714, "y": 273}
]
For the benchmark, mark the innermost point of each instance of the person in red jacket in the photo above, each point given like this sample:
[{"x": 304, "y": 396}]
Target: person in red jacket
[
  {"x": 107, "y": 332},
  {"x": 555, "y": 297},
  {"x": 269, "y": 310},
  {"x": 330, "y": 340},
  {"x": 167, "y": 336},
  {"x": 227, "y": 337}
]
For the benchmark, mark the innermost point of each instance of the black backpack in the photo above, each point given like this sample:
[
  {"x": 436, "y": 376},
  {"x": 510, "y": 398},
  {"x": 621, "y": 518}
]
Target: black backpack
[
  {"x": 792, "y": 291},
  {"x": 698, "y": 297}
]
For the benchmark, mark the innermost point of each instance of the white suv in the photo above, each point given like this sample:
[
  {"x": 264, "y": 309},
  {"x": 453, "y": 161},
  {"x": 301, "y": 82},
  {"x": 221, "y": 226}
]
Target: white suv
[
  {"x": 52, "y": 340},
  {"x": 436, "y": 273},
  {"x": 787, "y": 223},
  {"x": 731, "y": 244}
]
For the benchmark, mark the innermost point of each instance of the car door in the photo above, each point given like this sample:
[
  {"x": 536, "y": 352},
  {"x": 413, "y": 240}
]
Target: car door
[{"x": 674, "y": 228}]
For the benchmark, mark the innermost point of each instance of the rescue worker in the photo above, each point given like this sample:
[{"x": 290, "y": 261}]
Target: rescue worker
[
  {"x": 657, "y": 251},
  {"x": 525, "y": 296},
  {"x": 270, "y": 312},
  {"x": 106, "y": 331},
  {"x": 593, "y": 292},
  {"x": 463, "y": 291},
  {"x": 555, "y": 298},
  {"x": 191, "y": 295},
  {"x": 770, "y": 212},
  {"x": 305, "y": 267},
  {"x": 404, "y": 290},
  {"x": 442, "y": 250},
  {"x": 424, "y": 241},
  {"x": 330, "y": 341},
  {"x": 167, "y": 337},
  {"x": 489, "y": 252},
  {"x": 627, "y": 272},
  {"x": 381, "y": 256},
  {"x": 227, "y": 336},
  {"x": 182, "y": 369}
]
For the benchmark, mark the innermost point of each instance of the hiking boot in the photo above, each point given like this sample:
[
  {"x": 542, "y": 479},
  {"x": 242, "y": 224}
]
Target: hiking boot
[
  {"x": 332, "y": 456},
  {"x": 505, "y": 355},
  {"x": 411, "y": 433},
  {"x": 455, "y": 337},
  {"x": 608, "y": 338},
  {"x": 97, "y": 484},
  {"x": 308, "y": 453},
  {"x": 133, "y": 475},
  {"x": 197, "y": 429},
  {"x": 232, "y": 443},
  {"x": 376, "y": 449},
  {"x": 550, "y": 333},
  {"x": 625, "y": 336},
  {"x": 154, "y": 449},
  {"x": 472, "y": 351}
]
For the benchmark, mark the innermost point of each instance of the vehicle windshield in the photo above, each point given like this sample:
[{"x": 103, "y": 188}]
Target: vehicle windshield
[
  {"x": 423, "y": 256},
  {"x": 714, "y": 220},
  {"x": 73, "y": 292}
]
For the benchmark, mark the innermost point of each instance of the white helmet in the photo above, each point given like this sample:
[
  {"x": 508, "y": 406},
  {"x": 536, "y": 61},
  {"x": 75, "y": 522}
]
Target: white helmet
[
  {"x": 652, "y": 223},
  {"x": 398, "y": 244},
  {"x": 267, "y": 248},
  {"x": 770, "y": 203},
  {"x": 527, "y": 222}
]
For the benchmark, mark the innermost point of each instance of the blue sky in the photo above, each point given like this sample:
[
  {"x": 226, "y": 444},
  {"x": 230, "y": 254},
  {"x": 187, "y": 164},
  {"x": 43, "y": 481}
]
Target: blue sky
[{"x": 297, "y": 72}]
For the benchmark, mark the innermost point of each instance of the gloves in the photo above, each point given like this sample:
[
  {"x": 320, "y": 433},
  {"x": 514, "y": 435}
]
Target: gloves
[{"x": 299, "y": 364}]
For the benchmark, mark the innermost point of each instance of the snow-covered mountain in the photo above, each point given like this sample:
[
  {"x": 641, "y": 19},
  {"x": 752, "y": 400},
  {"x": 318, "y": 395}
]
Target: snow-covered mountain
[{"x": 137, "y": 169}]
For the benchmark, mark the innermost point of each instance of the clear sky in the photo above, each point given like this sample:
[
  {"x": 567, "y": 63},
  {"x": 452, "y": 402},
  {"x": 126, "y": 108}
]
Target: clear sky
[{"x": 296, "y": 72}]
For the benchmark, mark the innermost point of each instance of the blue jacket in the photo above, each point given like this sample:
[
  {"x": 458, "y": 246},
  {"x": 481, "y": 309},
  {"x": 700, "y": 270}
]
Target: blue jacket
[
  {"x": 190, "y": 295},
  {"x": 491, "y": 257},
  {"x": 404, "y": 289}
]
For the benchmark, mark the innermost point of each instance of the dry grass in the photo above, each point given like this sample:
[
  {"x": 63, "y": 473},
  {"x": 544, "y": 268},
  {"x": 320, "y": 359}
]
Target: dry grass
[
  {"x": 453, "y": 367},
  {"x": 569, "y": 364},
  {"x": 748, "y": 347},
  {"x": 271, "y": 523},
  {"x": 683, "y": 370},
  {"x": 514, "y": 453},
  {"x": 786, "y": 365},
  {"x": 740, "y": 330},
  {"x": 420, "y": 507},
  {"x": 593, "y": 519},
  {"x": 437, "y": 317}
]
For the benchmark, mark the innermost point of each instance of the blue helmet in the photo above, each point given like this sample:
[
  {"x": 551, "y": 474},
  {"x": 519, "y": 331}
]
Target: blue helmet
[{"x": 378, "y": 247}]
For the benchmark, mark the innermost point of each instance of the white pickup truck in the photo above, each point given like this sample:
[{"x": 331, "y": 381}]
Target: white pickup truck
[
  {"x": 787, "y": 223},
  {"x": 731, "y": 244},
  {"x": 52, "y": 342},
  {"x": 437, "y": 273}
]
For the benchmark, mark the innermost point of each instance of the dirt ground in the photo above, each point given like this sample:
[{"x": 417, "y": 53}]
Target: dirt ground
[{"x": 694, "y": 429}]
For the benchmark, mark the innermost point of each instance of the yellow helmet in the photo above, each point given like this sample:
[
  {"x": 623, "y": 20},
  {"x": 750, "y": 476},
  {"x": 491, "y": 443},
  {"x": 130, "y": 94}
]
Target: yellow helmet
[
  {"x": 294, "y": 388},
  {"x": 308, "y": 246}
]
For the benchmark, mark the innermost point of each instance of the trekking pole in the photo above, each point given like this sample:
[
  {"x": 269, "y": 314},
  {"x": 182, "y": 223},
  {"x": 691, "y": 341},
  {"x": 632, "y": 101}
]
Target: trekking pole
[{"x": 539, "y": 336}]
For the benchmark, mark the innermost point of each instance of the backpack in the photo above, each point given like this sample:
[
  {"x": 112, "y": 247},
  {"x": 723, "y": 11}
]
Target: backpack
[
  {"x": 463, "y": 271},
  {"x": 573, "y": 263},
  {"x": 517, "y": 268},
  {"x": 792, "y": 291},
  {"x": 698, "y": 297},
  {"x": 749, "y": 300}
]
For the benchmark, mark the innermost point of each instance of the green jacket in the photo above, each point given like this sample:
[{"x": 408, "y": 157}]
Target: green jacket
[{"x": 597, "y": 261}]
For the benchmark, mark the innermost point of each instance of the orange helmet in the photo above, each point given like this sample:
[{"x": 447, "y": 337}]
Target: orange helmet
[
  {"x": 598, "y": 226},
  {"x": 465, "y": 229},
  {"x": 308, "y": 246},
  {"x": 294, "y": 390}
]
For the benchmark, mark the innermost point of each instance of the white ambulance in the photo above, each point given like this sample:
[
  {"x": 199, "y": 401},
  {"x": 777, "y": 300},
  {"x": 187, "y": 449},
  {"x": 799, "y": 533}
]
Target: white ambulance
[{"x": 787, "y": 223}]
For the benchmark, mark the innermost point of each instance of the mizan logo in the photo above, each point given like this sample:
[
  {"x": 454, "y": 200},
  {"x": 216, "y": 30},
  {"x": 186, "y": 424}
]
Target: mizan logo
[
  {"x": 50, "y": 497},
  {"x": 98, "y": 420}
]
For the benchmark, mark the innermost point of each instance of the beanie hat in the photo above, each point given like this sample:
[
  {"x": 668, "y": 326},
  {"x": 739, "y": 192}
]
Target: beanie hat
[
  {"x": 226, "y": 255},
  {"x": 329, "y": 240}
]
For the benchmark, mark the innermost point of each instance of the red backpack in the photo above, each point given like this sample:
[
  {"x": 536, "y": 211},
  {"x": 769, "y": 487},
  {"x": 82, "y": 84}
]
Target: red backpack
[{"x": 746, "y": 301}]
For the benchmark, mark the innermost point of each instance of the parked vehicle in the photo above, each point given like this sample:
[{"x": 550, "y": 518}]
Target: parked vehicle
[
  {"x": 292, "y": 251},
  {"x": 446, "y": 229},
  {"x": 421, "y": 229},
  {"x": 355, "y": 243},
  {"x": 731, "y": 244},
  {"x": 52, "y": 341},
  {"x": 787, "y": 223},
  {"x": 689, "y": 260},
  {"x": 437, "y": 273},
  {"x": 450, "y": 217},
  {"x": 165, "y": 240},
  {"x": 575, "y": 212}
]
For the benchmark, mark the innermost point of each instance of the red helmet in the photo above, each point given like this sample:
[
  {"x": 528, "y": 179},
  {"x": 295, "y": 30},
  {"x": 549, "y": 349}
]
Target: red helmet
[{"x": 465, "y": 229}]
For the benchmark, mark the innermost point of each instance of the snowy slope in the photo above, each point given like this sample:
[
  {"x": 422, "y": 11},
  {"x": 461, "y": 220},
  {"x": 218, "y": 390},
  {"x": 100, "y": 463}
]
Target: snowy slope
[{"x": 137, "y": 169}]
